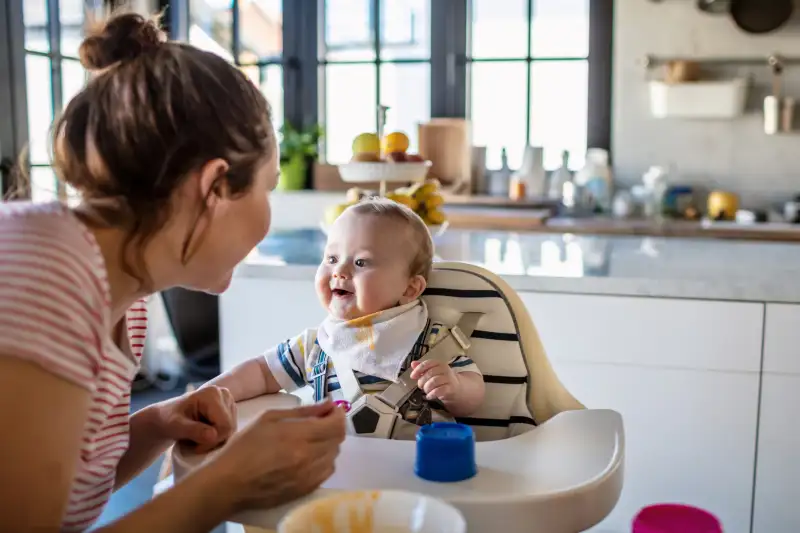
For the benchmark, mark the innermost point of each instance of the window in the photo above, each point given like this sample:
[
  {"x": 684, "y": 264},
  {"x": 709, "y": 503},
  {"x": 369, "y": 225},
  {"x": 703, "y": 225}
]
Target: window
[
  {"x": 374, "y": 52},
  {"x": 53, "y": 33},
  {"x": 248, "y": 33},
  {"x": 539, "y": 49}
]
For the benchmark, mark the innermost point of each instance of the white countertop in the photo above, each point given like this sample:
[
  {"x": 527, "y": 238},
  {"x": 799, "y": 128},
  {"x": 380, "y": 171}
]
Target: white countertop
[{"x": 627, "y": 266}]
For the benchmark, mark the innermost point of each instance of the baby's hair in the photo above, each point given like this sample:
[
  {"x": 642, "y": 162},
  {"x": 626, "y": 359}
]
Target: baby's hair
[{"x": 422, "y": 263}]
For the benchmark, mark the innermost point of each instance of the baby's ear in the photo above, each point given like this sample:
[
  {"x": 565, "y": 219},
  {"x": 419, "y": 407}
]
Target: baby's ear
[{"x": 416, "y": 286}]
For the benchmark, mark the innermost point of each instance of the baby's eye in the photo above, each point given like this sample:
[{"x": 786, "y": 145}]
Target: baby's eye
[
  {"x": 361, "y": 263},
  {"x": 331, "y": 259}
]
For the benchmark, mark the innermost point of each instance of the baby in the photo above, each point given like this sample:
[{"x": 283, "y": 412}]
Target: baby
[{"x": 375, "y": 267}]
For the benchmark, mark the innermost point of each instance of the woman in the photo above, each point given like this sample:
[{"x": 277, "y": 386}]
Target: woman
[{"x": 174, "y": 154}]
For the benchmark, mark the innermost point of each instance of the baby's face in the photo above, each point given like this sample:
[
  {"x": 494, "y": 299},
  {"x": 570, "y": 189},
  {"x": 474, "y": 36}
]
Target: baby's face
[{"x": 365, "y": 267}]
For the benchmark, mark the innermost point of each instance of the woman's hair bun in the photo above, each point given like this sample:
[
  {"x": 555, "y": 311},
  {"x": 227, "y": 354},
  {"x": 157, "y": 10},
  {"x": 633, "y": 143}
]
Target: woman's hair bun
[{"x": 122, "y": 37}]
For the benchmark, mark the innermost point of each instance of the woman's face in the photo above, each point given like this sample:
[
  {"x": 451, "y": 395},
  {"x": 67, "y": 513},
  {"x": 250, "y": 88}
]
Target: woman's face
[{"x": 235, "y": 226}]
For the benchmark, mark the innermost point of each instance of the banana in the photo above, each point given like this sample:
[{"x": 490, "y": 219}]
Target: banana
[
  {"x": 404, "y": 199},
  {"x": 434, "y": 217},
  {"x": 425, "y": 190},
  {"x": 433, "y": 200}
]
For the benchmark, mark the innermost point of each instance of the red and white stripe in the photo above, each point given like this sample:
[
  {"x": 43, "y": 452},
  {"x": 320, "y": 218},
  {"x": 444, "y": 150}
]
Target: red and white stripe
[{"x": 54, "y": 311}]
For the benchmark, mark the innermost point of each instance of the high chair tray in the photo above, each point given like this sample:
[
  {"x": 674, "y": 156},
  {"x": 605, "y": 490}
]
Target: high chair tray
[{"x": 561, "y": 477}]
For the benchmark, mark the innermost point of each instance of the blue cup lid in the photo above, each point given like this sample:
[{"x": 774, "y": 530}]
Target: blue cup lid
[{"x": 445, "y": 452}]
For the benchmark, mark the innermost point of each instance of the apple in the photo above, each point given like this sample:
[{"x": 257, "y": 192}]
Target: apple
[
  {"x": 414, "y": 158},
  {"x": 397, "y": 157}
]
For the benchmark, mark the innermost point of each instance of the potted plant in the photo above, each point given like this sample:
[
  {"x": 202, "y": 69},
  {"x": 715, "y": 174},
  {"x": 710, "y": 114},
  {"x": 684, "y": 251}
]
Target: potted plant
[{"x": 299, "y": 150}]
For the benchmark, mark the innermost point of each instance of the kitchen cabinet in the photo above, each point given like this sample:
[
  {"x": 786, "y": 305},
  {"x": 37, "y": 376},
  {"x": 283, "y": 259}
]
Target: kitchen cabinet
[
  {"x": 777, "y": 489},
  {"x": 684, "y": 375},
  {"x": 256, "y": 314}
]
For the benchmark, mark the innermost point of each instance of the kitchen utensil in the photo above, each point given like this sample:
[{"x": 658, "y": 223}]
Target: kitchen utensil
[
  {"x": 715, "y": 7},
  {"x": 772, "y": 103},
  {"x": 681, "y": 71},
  {"x": 368, "y": 511},
  {"x": 478, "y": 172},
  {"x": 791, "y": 210},
  {"x": 787, "y": 114},
  {"x": 761, "y": 16},
  {"x": 722, "y": 205}
]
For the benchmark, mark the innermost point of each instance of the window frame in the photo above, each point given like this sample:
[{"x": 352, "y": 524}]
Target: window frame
[
  {"x": 14, "y": 134},
  {"x": 449, "y": 60},
  {"x": 449, "y": 64}
]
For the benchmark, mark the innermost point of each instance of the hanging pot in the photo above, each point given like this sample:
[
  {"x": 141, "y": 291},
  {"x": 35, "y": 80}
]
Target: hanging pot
[
  {"x": 715, "y": 7},
  {"x": 761, "y": 16}
]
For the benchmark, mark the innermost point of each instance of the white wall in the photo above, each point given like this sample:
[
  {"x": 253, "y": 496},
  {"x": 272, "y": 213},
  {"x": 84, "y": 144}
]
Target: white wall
[{"x": 736, "y": 154}]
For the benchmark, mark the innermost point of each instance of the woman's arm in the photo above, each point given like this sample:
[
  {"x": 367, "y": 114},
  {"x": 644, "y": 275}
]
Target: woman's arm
[
  {"x": 44, "y": 440},
  {"x": 40, "y": 445},
  {"x": 146, "y": 445}
]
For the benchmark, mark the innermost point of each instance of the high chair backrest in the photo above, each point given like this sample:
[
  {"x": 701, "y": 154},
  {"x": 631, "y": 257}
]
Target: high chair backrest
[{"x": 522, "y": 389}]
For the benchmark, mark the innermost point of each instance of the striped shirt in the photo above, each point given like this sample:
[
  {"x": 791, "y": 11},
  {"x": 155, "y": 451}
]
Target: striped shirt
[
  {"x": 55, "y": 313},
  {"x": 286, "y": 360}
]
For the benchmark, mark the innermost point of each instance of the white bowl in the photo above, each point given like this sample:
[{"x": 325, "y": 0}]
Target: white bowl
[
  {"x": 376, "y": 511},
  {"x": 364, "y": 171}
]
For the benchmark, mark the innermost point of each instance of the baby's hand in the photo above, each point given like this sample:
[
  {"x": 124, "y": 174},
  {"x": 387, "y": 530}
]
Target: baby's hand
[{"x": 436, "y": 379}]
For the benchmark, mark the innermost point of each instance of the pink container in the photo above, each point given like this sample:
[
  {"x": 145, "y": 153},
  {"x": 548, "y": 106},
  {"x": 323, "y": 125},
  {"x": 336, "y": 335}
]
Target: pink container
[{"x": 675, "y": 518}]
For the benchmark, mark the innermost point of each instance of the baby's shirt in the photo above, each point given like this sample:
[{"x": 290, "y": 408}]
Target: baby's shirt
[{"x": 291, "y": 363}]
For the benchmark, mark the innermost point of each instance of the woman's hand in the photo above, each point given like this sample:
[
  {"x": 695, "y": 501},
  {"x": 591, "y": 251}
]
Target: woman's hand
[
  {"x": 206, "y": 417},
  {"x": 282, "y": 455}
]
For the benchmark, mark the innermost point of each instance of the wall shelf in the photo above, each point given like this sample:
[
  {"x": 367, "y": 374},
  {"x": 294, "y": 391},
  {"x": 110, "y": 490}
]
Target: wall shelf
[{"x": 654, "y": 61}]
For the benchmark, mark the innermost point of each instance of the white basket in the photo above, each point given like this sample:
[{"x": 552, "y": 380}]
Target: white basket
[
  {"x": 698, "y": 100},
  {"x": 362, "y": 171}
]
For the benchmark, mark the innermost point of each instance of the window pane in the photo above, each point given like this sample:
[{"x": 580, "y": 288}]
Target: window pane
[
  {"x": 261, "y": 27},
  {"x": 405, "y": 29},
  {"x": 349, "y": 30},
  {"x": 210, "y": 26},
  {"x": 499, "y": 28},
  {"x": 559, "y": 101},
  {"x": 34, "y": 13},
  {"x": 350, "y": 108},
  {"x": 40, "y": 107},
  {"x": 498, "y": 102},
  {"x": 405, "y": 88},
  {"x": 43, "y": 184},
  {"x": 270, "y": 80},
  {"x": 560, "y": 28},
  {"x": 71, "y": 13},
  {"x": 73, "y": 78}
]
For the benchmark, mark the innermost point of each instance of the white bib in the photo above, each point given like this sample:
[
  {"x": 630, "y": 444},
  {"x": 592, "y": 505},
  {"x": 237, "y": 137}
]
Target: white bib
[{"x": 376, "y": 344}]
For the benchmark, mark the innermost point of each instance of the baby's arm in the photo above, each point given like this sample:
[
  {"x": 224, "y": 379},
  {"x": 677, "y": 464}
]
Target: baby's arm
[
  {"x": 469, "y": 395},
  {"x": 459, "y": 385},
  {"x": 248, "y": 380},
  {"x": 280, "y": 368}
]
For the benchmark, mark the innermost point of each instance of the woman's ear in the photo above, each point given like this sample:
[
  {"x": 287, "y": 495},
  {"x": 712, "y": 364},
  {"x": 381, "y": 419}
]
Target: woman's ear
[
  {"x": 213, "y": 186},
  {"x": 414, "y": 289}
]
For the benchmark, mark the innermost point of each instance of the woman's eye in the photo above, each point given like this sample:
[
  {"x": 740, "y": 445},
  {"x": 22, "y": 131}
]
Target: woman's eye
[{"x": 361, "y": 263}]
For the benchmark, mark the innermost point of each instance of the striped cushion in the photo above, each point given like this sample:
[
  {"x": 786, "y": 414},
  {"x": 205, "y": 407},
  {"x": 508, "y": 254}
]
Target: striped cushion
[{"x": 496, "y": 349}]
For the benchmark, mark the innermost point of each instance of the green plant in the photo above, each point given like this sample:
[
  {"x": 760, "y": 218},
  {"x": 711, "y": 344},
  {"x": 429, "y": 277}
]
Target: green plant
[{"x": 300, "y": 143}]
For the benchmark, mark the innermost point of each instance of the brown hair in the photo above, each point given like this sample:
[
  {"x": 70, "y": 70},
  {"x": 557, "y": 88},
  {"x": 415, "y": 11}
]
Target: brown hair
[
  {"x": 154, "y": 112},
  {"x": 422, "y": 263}
]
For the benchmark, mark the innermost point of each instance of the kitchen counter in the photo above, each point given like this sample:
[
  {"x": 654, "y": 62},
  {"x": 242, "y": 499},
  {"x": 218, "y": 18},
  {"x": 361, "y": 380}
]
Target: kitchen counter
[
  {"x": 581, "y": 264},
  {"x": 539, "y": 220}
]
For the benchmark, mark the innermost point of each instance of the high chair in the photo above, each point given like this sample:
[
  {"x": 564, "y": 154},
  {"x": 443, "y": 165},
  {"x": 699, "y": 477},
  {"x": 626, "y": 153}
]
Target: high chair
[{"x": 545, "y": 462}]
